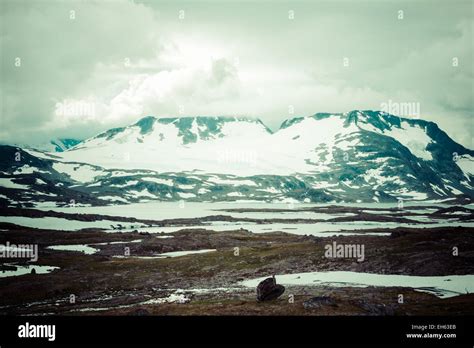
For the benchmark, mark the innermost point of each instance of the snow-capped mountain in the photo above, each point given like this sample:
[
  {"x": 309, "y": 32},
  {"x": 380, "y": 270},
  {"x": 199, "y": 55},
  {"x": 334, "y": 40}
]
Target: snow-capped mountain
[
  {"x": 359, "y": 155},
  {"x": 62, "y": 144},
  {"x": 206, "y": 144},
  {"x": 53, "y": 145}
]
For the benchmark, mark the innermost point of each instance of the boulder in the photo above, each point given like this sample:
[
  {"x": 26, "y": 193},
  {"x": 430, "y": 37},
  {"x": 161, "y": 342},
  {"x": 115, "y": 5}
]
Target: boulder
[
  {"x": 141, "y": 312},
  {"x": 318, "y": 302},
  {"x": 376, "y": 308},
  {"x": 268, "y": 290}
]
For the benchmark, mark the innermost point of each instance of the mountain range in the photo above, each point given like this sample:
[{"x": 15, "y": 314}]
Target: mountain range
[
  {"x": 53, "y": 145},
  {"x": 368, "y": 156}
]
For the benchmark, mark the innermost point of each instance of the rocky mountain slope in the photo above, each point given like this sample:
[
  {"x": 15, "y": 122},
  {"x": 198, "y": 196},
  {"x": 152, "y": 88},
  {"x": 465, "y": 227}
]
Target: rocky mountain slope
[{"x": 355, "y": 156}]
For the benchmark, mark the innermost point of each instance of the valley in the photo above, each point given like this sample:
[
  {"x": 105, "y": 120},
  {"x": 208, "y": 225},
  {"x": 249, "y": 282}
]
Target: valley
[{"x": 195, "y": 269}]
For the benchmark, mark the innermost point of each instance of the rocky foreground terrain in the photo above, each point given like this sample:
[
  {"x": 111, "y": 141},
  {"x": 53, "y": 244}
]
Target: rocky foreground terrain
[{"x": 114, "y": 282}]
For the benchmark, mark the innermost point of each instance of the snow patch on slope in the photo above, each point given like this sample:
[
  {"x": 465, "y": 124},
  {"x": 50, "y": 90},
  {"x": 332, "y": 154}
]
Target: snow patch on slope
[{"x": 78, "y": 172}]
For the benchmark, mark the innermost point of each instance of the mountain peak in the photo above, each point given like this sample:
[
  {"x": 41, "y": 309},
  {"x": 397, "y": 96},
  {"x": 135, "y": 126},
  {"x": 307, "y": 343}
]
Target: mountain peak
[
  {"x": 147, "y": 120},
  {"x": 189, "y": 128},
  {"x": 382, "y": 118},
  {"x": 146, "y": 124},
  {"x": 191, "y": 124},
  {"x": 379, "y": 119},
  {"x": 360, "y": 152},
  {"x": 317, "y": 116}
]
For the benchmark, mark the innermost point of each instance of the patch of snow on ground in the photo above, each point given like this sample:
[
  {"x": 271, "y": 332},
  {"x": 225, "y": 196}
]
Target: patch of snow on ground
[
  {"x": 142, "y": 193},
  {"x": 128, "y": 183},
  {"x": 412, "y": 137},
  {"x": 186, "y": 252},
  {"x": 441, "y": 286},
  {"x": 186, "y": 194},
  {"x": 22, "y": 270},
  {"x": 113, "y": 198},
  {"x": 466, "y": 164},
  {"x": 8, "y": 183},
  {"x": 82, "y": 248},
  {"x": 78, "y": 172}
]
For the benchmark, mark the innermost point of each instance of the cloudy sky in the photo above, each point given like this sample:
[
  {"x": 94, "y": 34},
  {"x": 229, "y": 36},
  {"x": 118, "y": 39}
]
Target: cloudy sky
[{"x": 75, "y": 68}]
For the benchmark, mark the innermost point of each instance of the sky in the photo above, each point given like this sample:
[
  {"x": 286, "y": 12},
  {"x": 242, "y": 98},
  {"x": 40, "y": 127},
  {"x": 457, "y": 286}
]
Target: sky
[{"x": 77, "y": 68}]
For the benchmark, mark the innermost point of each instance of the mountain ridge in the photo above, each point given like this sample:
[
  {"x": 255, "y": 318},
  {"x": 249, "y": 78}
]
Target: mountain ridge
[{"x": 346, "y": 157}]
